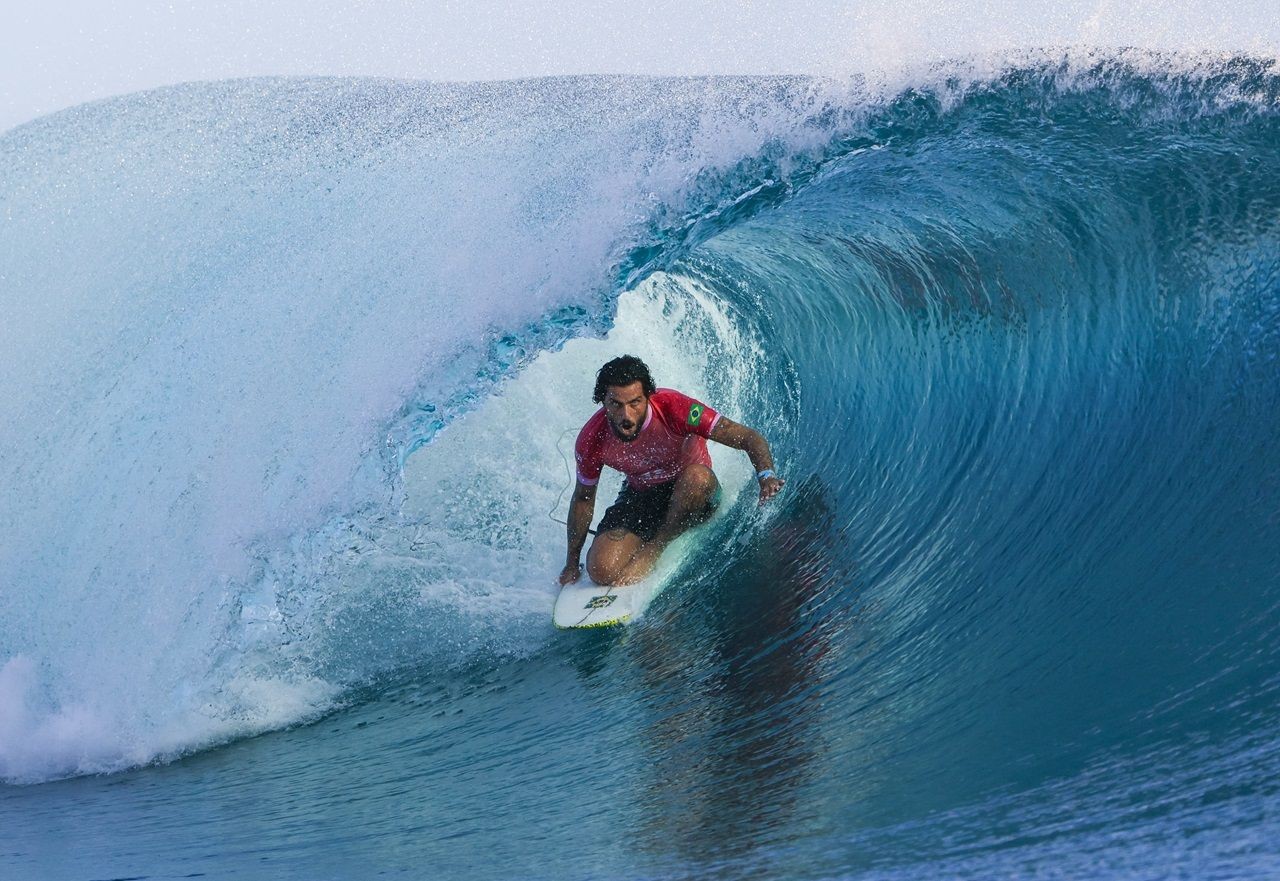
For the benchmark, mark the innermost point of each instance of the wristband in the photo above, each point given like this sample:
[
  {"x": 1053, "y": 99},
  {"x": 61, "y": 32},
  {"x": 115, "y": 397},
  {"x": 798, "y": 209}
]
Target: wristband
[{"x": 765, "y": 474}]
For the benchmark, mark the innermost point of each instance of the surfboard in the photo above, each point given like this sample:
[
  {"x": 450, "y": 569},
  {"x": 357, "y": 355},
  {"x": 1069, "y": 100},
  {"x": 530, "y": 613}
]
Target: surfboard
[{"x": 586, "y": 604}]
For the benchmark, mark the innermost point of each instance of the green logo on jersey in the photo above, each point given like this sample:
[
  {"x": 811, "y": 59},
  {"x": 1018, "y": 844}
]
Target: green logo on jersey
[{"x": 695, "y": 415}]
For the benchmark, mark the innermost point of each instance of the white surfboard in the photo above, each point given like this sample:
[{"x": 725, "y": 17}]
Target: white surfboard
[{"x": 586, "y": 604}]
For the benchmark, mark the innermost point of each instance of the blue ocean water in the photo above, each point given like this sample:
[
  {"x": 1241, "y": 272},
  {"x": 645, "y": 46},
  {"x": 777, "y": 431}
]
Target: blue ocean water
[{"x": 289, "y": 367}]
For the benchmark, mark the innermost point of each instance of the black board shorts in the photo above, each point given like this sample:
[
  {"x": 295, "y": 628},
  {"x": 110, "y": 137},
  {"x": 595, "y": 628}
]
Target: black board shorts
[{"x": 642, "y": 510}]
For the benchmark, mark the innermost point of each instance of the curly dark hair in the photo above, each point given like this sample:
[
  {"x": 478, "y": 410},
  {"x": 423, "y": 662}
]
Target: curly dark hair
[{"x": 623, "y": 370}]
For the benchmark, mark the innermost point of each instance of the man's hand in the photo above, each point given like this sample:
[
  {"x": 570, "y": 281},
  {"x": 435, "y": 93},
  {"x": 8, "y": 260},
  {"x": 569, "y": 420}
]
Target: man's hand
[
  {"x": 570, "y": 573},
  {"x": 769, "y": 488}
]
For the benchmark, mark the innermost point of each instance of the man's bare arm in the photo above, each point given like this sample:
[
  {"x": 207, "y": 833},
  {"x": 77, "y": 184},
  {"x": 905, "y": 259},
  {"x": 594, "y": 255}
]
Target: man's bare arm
[
  {"x": 740, "y": 437},
  {"x": 581, "y": 507}
]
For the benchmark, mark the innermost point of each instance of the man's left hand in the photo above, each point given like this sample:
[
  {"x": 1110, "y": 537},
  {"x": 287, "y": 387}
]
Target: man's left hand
[{"x": 769, "y": 488}]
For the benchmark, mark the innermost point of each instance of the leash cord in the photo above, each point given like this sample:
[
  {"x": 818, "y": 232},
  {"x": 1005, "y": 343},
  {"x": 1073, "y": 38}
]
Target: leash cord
[{"x": 572, "y": 477}]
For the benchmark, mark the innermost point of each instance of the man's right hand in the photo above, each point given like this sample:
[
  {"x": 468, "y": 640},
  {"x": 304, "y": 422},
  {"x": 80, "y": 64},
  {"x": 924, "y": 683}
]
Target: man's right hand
[{"x": 571, "y": 573}]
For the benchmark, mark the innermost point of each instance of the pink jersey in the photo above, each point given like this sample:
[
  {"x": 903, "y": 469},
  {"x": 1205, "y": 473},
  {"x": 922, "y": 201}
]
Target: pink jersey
[{"x": 671, "y": 438}]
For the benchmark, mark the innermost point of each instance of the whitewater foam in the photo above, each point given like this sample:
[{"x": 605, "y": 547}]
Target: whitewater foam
[
  {"x": 212, "y": 434},
  {"x": 281, "y": 288}
]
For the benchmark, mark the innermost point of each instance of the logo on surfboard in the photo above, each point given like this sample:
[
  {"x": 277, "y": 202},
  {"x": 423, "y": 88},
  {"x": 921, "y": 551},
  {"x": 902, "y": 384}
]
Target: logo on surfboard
[{"x": 601, "y": 601}]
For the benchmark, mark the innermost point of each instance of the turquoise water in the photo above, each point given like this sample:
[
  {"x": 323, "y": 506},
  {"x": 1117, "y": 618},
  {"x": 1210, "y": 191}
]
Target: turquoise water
[{"x": 288, "y": 362}]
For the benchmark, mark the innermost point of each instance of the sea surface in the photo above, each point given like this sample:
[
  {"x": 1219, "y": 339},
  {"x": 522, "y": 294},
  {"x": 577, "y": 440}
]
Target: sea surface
[{"x": 289, "y": 369}]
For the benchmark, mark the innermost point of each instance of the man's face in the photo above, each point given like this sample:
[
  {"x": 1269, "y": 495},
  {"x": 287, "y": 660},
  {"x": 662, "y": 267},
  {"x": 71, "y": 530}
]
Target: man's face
[{"x": 626, "y": 406}]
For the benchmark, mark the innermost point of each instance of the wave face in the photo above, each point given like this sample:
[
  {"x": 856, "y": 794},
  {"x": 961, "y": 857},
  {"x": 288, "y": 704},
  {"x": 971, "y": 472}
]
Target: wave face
[{"x": 290, "y": 361}]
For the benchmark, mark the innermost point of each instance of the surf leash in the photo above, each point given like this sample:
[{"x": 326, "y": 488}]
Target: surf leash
[{"x": 572, "y": 477}]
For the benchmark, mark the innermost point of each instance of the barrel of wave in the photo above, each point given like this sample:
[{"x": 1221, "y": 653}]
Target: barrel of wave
[{"x": 486, "y": 499}]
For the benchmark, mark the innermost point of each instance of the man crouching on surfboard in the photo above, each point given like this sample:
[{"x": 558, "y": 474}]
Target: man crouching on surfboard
[{"x": 657, "y": 437}]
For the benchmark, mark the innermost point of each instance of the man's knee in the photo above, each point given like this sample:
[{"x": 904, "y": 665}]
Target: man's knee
[
  {"x": 698, "y": 481},
  {"x": 609, "y": 555},
  {"x": 603, "y": 574}
]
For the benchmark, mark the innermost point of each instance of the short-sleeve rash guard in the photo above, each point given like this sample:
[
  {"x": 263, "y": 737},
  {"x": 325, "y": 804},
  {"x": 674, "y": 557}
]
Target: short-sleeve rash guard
[{"x": 673, "y": 436}]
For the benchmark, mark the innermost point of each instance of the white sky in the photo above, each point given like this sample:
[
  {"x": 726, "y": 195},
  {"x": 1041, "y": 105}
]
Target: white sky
[{"x": 58, "y": 53}]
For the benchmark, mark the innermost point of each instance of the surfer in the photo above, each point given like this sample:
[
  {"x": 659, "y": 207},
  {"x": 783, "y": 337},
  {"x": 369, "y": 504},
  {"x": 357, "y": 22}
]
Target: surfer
[{"x": 657, "y": 438}]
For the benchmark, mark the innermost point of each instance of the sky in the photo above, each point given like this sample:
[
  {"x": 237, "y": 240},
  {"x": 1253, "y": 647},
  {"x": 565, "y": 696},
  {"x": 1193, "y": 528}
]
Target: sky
[{"x": 59, "y": 53}]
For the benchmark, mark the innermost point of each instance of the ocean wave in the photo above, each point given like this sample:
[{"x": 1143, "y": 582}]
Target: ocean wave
[{"x": 287, "y": 408}]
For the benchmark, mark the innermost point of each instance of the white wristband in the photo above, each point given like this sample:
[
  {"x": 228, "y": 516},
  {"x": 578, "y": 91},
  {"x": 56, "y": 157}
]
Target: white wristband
[{"x": 765, "y": 474}]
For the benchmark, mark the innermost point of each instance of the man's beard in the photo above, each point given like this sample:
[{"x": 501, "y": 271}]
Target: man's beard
[{"x": 625, "y": 438}]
